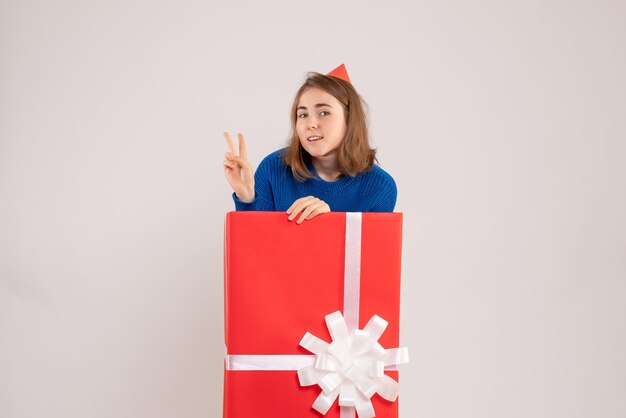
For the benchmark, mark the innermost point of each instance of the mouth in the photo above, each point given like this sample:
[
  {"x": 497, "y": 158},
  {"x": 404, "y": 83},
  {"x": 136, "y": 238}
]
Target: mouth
[{"x": 314, "y": 138}]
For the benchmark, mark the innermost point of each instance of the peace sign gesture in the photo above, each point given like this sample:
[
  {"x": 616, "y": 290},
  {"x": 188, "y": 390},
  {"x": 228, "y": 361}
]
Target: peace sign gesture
[{"x": 238, "y": 170}]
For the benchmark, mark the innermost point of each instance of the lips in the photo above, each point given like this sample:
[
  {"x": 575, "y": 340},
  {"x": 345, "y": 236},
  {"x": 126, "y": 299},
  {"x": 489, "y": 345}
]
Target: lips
[{"x": 314, "y": 138}]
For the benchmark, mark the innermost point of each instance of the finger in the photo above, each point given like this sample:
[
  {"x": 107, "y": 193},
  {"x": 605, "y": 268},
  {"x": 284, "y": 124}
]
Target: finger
[
  {"x": 294, "y": 208},
  {"x": 310, "y": 211},
  {"x": 293, "y": 205},
  {"x": 297, "y": 202},
  {"x": 312, "y": 208},
  {"x": 229, "y": 141},
  {"x": 229, "y": 164},
  {"x": 302, "y": 206},
  {"x": 243, "y": 150},
  {"x": 322, "y": 209},
  {"x": 240, "y": 160}
]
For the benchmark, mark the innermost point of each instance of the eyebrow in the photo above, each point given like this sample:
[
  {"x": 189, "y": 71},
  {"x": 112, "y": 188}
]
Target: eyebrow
[{"x": 317, "y": 105}]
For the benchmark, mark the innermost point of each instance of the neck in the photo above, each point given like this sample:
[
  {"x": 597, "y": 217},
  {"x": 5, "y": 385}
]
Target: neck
[{"x": 327, "y": 167}]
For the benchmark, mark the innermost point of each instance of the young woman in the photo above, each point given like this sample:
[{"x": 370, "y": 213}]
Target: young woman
[{"x": 327, "y": 165}]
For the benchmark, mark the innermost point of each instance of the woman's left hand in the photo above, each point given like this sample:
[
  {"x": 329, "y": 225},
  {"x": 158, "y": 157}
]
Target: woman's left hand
[{"x": 310, "y": 207}]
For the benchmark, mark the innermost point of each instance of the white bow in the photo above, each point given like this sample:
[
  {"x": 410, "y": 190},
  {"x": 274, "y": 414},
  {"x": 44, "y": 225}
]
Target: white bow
[{"x": 352, "y": 366}]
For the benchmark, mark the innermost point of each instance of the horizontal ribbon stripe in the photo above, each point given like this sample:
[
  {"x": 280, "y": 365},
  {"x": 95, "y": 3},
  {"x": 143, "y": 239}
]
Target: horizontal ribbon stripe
[
  {"x": 269, "y": 362},
  {"x": 291, "y": 362}
]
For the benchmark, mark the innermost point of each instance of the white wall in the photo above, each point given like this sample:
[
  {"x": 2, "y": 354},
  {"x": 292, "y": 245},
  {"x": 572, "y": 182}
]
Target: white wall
[{"x": 503, "y": 123}]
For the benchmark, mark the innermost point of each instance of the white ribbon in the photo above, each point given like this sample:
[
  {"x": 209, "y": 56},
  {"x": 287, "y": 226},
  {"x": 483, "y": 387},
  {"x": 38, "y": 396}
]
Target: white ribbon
[
  {"x": 350, "y": 368},
  {"x": 268, "y": 361},
  {"x": 352, "y": 270}
]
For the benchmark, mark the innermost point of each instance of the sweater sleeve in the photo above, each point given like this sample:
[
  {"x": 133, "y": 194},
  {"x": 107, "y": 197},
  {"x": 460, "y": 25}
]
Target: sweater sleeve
[{"x": 263, "y": 196}]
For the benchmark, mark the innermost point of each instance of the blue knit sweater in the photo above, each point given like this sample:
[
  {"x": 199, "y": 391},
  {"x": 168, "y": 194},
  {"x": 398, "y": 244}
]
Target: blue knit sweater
[{"x": 276, "y": 189}]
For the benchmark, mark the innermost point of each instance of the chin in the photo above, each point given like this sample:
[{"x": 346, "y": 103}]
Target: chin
[
  {"x": 320, "y": 153},
  {"x": 317, "y": 152},
  {"x": 311, "y": 151}
]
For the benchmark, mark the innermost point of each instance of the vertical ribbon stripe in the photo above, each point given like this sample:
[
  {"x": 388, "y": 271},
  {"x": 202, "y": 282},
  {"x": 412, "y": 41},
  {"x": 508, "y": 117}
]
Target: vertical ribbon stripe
[
  {"x": 352, "y": 271},
  {"x": 352, "y": 283}
]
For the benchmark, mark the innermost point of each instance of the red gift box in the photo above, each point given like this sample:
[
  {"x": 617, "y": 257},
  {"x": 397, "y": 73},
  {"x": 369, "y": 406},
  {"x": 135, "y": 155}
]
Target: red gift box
[{"x": 281, "y": 280}]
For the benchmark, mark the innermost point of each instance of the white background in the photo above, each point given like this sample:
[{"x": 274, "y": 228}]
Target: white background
[{"x": 503, "y": 123}]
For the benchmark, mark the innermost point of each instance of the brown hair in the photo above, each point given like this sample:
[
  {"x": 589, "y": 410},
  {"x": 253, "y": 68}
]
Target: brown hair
[{"x": 354, "y": 153}]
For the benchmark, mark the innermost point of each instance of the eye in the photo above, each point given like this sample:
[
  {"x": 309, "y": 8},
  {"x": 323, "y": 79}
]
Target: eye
[
  {"x": 323, "y": 111},
  {"x": 301, "y": 114}
]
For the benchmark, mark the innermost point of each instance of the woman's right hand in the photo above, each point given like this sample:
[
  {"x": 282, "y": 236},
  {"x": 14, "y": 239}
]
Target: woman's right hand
[{"x": 238, "y": 170}]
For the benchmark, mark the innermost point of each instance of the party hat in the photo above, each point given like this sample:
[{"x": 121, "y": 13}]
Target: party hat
[{"x": 340, "y": 72}]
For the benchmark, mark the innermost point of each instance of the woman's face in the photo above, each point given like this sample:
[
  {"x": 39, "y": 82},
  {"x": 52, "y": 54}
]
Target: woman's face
[{"x": 320, "y": 122}]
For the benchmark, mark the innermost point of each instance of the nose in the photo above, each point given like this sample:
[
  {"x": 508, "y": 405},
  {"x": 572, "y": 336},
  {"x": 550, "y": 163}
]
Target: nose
[{"x": 312, "y": 122}]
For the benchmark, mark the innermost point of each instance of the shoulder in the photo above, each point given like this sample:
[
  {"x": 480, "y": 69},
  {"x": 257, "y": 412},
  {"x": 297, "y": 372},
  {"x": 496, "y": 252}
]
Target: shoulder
[
  {"x": 275, "y": 157},
  {"x": 380, "y": 176},
  {"x": 273, "y": 161},
  {"x": 383, "y": 189}
]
